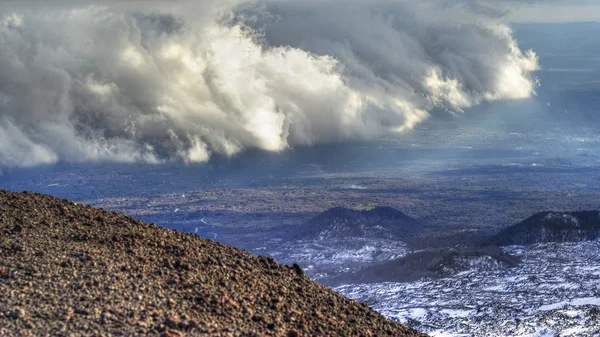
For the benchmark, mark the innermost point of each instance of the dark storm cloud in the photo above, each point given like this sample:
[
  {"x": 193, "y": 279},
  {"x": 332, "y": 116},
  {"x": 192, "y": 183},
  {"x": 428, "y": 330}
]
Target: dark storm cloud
[{"x": 155, "y": 81}]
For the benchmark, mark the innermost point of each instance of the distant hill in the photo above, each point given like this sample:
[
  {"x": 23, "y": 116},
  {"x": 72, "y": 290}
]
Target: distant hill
[
  {"x": 340, "y": 223},
  {"x": 429, "y": 264},
  {"x": 551, "y": 227},
  {"x": 69, "y": 269}
]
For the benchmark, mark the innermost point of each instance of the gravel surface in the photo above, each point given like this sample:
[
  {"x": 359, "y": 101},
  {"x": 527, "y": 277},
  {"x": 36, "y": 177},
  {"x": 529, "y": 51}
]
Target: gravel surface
[{"x": 73, "y": 270}]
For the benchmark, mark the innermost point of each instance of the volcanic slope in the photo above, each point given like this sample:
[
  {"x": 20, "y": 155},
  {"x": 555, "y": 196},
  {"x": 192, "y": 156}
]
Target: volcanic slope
[
  {"x": 429, "y": 264},
  {"x": 72, "y": 269},
  {"x": 551, "y": 227},
  {"x": 339, "y": 222}
]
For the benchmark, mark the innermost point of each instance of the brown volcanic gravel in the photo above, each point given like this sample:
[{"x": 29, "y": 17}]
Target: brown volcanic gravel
[{"x": 72, "y": 270}]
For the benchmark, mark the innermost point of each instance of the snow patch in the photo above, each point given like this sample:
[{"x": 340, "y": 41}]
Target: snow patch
[
  {"x": 566, "y": 218},
  {"x": 574, "y": 302}
]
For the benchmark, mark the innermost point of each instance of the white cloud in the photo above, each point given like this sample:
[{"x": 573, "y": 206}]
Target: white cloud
[{"x": 143, "y": 81}]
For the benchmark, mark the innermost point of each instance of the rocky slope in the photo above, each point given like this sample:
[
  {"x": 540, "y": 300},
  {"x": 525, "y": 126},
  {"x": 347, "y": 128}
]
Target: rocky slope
[
  {"x": 68, "y": 269},
  {"x": 551, "y": 227}
]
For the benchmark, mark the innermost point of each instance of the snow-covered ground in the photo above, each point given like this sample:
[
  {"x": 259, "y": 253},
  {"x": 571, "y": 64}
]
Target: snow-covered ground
[
  {"x": 321, "y": 258},
  {"x": 554, "y": 292}
]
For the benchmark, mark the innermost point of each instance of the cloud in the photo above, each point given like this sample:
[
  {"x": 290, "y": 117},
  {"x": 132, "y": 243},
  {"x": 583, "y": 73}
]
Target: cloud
[{"x": 145, "y": 82}]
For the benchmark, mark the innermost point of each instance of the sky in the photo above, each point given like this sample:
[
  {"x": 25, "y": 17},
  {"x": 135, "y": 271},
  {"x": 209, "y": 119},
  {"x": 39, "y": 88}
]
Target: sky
[
  {"x": 557, "y": 12},
  {"x": 182, "y": 81}
]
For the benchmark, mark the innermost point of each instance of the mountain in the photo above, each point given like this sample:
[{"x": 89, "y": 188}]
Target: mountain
[
  {"x": 429, "y": 264},
  {"x": 69, "y": 269},
  {"x": 342, "y": 223},
  {"x": 551, "y": 227}
]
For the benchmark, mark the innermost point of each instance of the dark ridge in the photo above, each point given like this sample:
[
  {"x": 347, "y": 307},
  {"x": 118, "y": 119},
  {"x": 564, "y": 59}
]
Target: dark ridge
[
  {"x": 429, "y": 264},
  {"x": 342, "y": 223},
  {"x": 69, "y": 269},
  {"x": 551, "y": 227}
]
